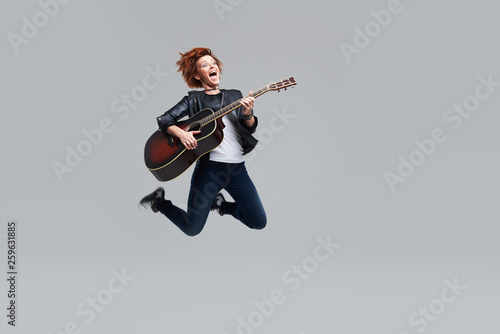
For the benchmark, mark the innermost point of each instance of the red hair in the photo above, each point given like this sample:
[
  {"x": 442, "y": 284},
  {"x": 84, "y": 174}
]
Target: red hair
[{"x": 187, "y": 65}]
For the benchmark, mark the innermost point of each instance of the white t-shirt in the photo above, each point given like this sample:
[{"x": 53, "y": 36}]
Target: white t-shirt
[{"x": 230, "y": 150}]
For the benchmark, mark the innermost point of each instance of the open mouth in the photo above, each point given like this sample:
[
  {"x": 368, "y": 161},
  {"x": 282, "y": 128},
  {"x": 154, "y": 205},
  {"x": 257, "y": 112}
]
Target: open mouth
[{"x": 213, "y": 74}]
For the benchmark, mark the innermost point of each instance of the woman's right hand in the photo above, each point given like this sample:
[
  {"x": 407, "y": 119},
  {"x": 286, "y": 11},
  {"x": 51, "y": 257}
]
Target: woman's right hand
[
  {"x": 186, "y": 137},
  {"x": 188, "y": 140}
]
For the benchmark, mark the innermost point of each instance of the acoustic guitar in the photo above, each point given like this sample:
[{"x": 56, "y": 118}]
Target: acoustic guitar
[{"x": 167, "y": 158}]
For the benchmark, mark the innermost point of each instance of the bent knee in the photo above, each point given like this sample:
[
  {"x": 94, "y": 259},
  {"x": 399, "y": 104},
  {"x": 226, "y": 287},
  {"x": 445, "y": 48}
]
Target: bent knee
[
  {"x": 192, "y": 232},
  {"x": 258, "y": 224}
]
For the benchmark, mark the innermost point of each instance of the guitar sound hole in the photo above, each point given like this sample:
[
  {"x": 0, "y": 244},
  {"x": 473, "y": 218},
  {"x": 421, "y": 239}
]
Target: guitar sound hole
[{"x": 194, "y": 126}]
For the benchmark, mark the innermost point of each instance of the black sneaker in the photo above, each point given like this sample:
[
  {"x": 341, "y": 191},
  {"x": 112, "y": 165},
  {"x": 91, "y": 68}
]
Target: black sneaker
[
  {"x": 217, "y": 204},
  {"x": 148, "y": 201}
]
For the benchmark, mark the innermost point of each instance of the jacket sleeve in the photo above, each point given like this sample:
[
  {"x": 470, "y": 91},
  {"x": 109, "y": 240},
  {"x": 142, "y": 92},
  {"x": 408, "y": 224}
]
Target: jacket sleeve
[
  {"x": 171, "y": 116},
  {"x": 242, "y": 121}
]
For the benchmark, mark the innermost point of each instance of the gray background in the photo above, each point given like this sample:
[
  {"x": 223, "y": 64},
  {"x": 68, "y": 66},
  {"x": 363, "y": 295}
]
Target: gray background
[{"x": 320, "y": 175}]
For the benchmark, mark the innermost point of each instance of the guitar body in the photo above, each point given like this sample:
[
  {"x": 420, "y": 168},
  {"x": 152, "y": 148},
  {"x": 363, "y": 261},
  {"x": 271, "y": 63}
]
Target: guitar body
[{"x": 167, "y": 159}]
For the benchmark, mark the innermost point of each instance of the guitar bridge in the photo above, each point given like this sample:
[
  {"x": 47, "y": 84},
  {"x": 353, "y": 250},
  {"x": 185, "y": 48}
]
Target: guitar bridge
[{"x": 170, "y": 140}]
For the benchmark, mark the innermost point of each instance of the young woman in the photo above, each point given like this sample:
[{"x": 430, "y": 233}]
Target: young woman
[{"x": 223, "y": 167}]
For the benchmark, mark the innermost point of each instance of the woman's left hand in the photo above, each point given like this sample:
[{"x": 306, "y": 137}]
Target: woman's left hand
[{"x": 248, "y": 103}]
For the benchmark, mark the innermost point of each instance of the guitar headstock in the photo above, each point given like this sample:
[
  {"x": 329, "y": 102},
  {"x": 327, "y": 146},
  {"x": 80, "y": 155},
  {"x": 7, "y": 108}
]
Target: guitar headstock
[{"x": 283, "y": 84}]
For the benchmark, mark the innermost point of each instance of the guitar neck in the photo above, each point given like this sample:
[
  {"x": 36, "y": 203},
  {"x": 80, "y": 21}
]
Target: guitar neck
[
  {"x": 231, "y": 107},
  {"x": 283, "y": 84}
]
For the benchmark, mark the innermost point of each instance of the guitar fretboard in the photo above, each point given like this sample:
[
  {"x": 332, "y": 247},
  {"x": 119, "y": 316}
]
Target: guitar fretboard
[{"x": 227, "y": 109}]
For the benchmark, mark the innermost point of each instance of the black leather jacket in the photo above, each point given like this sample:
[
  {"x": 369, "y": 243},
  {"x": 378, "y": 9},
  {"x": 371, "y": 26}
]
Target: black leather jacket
[{"x": 191, "y": 104}]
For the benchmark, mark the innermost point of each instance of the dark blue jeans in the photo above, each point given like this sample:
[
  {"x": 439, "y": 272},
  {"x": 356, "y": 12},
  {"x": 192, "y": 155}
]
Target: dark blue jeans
[{"x": 209, "y": 178}]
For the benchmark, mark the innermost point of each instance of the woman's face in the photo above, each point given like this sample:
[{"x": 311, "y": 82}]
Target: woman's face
[{"x": 208, "y": 72}]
